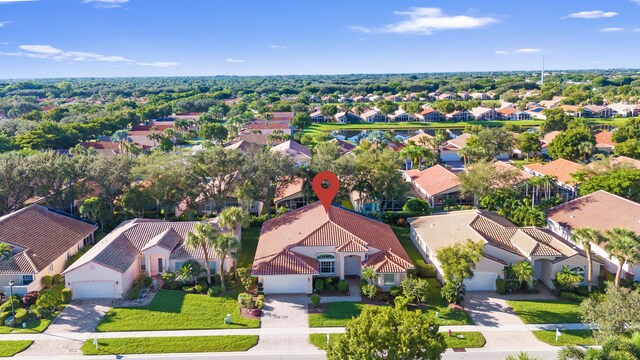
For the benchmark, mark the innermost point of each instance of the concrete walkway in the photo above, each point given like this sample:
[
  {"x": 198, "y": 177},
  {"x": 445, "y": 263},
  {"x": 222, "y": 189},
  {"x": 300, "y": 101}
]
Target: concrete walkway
[
  {"x": 284, "y": 312},
  {"x": 78, "y": 318},
  {"x": 354, "y": 293}
]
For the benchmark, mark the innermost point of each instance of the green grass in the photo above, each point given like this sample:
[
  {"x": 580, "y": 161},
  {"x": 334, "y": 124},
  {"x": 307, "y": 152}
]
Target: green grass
[
  {"x": 567, "y": 337},
  {"x": 471, "y": 340},
  {"x": 546, "y": 311},
  {"x": 336, "y": 314},
  {"x": 346, "y": 204},
  {"x": 402, "y": 233},
  {"x": 174, "y": 310},
  {"x": 250, "y": 238},
  {"x": 178, "y": 344},
  {"x": 11, "y": 347},
  {"x": 34, "y": 326}
]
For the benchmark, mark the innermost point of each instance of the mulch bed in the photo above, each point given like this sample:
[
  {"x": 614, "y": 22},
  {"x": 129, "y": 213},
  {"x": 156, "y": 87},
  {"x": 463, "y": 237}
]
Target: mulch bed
[
  {"x": 246, "y": 313},
  {"x": 316, "y": 310},
  {"x": 456, "y": 307}
]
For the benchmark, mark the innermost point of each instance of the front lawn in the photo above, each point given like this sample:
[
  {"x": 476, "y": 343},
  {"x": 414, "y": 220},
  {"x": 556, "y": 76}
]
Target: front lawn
[
  {"x": 546, "y": 311},
  {"x": 566, "y": 338},
  {"x": 250, "y": 238},
  {"x": 10, "y": 347},
  {"x": 178, "y": 344},
  {"x": 175, "y": 310},
  {"x": 34, "y": 326},
  {"x": 471, "y": 340}
]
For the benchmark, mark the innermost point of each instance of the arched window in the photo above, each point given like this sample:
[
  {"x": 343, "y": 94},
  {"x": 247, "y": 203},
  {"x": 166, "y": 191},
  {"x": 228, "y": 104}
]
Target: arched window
[
  {"x": 578, "y": 270},
  {"x": 327, "y": 264}
]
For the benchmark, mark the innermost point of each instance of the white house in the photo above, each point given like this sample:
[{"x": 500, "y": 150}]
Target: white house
[
  {"x": 503, "y": 244},
  {"x": 450, "y": 151},
  {"x": 483, "y": 113},
  {"x": 136, "y": 246},
  {"x": 372, "y": 116},
  {"x": 309, "y": 242},
  {"x": 401, "y": 115}
]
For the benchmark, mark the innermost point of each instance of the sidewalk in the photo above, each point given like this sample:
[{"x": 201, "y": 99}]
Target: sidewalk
[{"x": 82, "y": 336}]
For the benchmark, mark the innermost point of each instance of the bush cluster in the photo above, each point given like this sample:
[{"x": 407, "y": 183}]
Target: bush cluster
[{"x": 425, "y": 270}]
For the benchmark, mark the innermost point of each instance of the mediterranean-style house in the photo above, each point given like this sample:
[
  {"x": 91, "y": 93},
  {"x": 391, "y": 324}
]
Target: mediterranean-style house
[
  {"x": 561, "y": 170},
  {"x": 604, "y": 143},
  {"x": 291, "y": 195},
  {"x": 483, "y": 113},
  {"x": 299, "y": 153},
  {"x": 601, "y": 211},
  {"x": 436, "y": 185},
  {"x": 41, "y": 240},
  {"x": 136, "y": 246},
  {"x": 309, "y": 242},
  {"x": 372, "y": 116},
  {"x": 504, "y": 244},
  {"x": 318, "y": 117},
  {"x": 449, "y": 151},
  {"x": 430, "y": 115}
]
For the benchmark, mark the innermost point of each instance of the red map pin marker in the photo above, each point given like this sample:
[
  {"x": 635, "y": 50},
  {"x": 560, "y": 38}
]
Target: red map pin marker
[{"x": 326, "y": 193}]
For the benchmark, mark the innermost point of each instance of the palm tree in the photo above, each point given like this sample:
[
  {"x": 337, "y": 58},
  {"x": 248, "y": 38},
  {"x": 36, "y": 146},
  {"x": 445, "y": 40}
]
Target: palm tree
[
  {"x": 586, "y": 148},
  {"x": 368, "y": 274},
  {"x": 190, "y": 271},
  {"x": 5, "y": 251},
  {"x": 523, "y": 272},
  {"x": 120, "y": 137},
  {"x": 203, "y": 236},
  {"x": 584, "y": 237},
  {"x": 155, "y": 137},
  {"x": 536, "y": 183},
  {"x": 224, "y": 245},
  {"x": 233, "y": 218},
  {"x": 616, "y": 347},
  {"x": 521, "y": 356},
  {"x": 624, "y": 245}
]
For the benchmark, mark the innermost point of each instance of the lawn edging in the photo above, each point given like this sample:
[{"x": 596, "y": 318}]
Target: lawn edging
[
  {"x": 566, "y": 338},
  {"x": 174, "y": 344}
]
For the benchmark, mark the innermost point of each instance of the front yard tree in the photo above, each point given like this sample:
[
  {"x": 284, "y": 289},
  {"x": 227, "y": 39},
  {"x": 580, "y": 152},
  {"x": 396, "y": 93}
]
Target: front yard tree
[
  {"x": 615, "y": 313},
  {"x": 583, "y": 237},
  {"x": 203, "y": 236},
  {"x": 624, "y": 245},
  {"x": 389, "y": 333},
  {"x": 458, "y": 261},
  {"x": 523, "y": 272},
  {"x": 224, "y": 245}
]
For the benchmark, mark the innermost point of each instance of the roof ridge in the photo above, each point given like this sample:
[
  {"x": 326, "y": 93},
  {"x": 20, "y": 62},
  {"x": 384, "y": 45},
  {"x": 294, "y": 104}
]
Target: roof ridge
[
  {"x": 26, "y": 256},
  {"x": 21, "y": 210}
]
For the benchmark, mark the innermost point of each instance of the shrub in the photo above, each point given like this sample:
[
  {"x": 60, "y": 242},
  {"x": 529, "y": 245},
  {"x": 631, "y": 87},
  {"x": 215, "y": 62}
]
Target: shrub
[
  {"x": 213, "y": 291},
  {"x": 259, "y": 301},
  {"x": 330, "y": 287},
  {"x": 248, "y": 281},
  {"x": 401, "y": 302},
  {"x": 501, "y": 286},
  {"x": 30, "y": 298},
  {"x": 135, "y": 292},
  {"x": 396, "y": 217},
  {"x": 6, "y": 306},
  {"x": 415, "y": 289},
  {"x": 343, "y": 286},
  {"x": 454, "y": 292},
  {"x": 417, "y": 207},
  {"x": 200, "y": 288},
  {"x": 57, "y": 280},
  {"x": 168, "y": 277},
  {"x": 146, "y": 281},
  {"x": 319, "y": 285},
  {"x": 383, "y": 297},
  {"x": 21, "y": 316},
  {"x": 257, "y": 220},
  {"x": 189, "y": 289},
  {"x": 47, "y": 281},
  {"x": 362, "y": 283},
  {"x": 245, "y": 300},
  {"x": 425, "y": 270},
  {"x": 4, "y": 315},
  {"x": 256, "y": 312},
  {"x": 566, "y": 280},
  {"x": 66, "y": 295},
  {"x": 369, "y": 290},
  {"x": 395, "y": 291},
  {"x": 315, "y": 300},
  {"x": 41, "y": 312},
  {"x": 571, "y": 297}
]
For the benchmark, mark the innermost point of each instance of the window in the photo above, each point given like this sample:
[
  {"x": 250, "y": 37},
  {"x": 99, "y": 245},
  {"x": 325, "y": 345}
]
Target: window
[
  {"x": 51, "y": 265},
  {"x": 143, "y": 265},
  {"x": 212, "y": 267},
  {"x": 578, "y": 270},
  {"x": 27, "y": 279},
  {"x": 207, "y": 207},
  {"x": 327, "y": 264},
  {"x": 389, "y": 279}
]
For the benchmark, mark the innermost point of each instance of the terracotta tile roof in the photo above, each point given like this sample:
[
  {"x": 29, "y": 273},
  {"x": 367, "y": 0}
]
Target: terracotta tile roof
[
  {"x": 387, "y": 262},
  {"x": 490, "y": 228},
  {"x": 460, "y": 141},
  {"x": 258, "y": 139},
  {"x": 503, "y": 166},
  {"x": 120, "y": 248},
  {"x": 630, "y": 162},
  {"x": 101, "y": 145},
  {"x": 312, "y": 226},
  {"x": 291, "y": 146},
  {"x": 269, "y": 126},
  {"x": 435, "y": 180},
  {"x": 41, "y": 236},
  {"x": 285, "y": 191},
  {"x": 604, "y": 138},
  {"x": 560, "y": 169},
  {"x": 282, "y": 116},
  {"x": 243, "y": 146},
  {"x": 147, "y": 127},
  {"x": 599, "y": 210},
  {"x": 508, "y": 111},
  {"x": 427, "y": 111},
  {"x": 419, "y": 139},
  {"x": 548, "y": 137}
]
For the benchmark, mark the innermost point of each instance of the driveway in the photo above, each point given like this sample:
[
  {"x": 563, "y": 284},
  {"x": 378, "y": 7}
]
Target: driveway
[
  {"x": 487, "y": 309},
  {"x": 78, "y": 316},
  {"x": 284, "y": 311}
]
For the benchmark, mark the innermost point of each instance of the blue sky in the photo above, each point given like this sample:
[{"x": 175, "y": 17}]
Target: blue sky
[{"x": 73, "y": 38}]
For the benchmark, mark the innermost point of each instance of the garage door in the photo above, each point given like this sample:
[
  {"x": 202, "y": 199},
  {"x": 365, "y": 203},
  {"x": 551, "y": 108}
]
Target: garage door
[
  {"x": 285, "y": 284},
  {"x": 94, "y": 290},
  {"x": 482, "y": 281}
]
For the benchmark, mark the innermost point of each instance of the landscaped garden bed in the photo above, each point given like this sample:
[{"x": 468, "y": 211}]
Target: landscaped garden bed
[{"x": 178, "y": 344}]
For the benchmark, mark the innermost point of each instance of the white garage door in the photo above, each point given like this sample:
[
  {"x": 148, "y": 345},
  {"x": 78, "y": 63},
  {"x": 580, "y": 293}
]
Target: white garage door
[
  {"x": 94, "y": 290},
  {"x": 285, "y": 284},
  {"x": 482, "y": 281}
]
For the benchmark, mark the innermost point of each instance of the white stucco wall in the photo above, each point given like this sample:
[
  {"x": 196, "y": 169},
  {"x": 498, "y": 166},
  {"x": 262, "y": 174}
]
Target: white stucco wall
[{"x": 92, "y": 272}]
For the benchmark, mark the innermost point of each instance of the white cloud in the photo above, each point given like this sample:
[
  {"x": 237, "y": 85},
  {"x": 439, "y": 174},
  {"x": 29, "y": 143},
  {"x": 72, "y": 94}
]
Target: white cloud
[
  {"x": 501, "y": 52},
  {"x": 593, "y": 14},
  {"x": 278, "y": 47},
  {"x": 528, "y": 50},
  {"x": 231, "y": 60},
  {"x": 612, "y": 29},
  {"x": 636, "y": 1},
  {"x": 107, "y": 4},
  {"x": 425, "y": 21},
  {"x": 52, "y": 53},
  {"x": 161, "y": 64},
  {"x": 636, "y": 30}
]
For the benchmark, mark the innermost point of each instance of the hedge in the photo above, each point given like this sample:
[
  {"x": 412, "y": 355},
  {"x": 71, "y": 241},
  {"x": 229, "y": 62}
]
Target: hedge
[
  {"x": 66, "y": 295},
  {"x": 501, "y": 286},
  {"x": 571, "y": 296},
  {"x": 21, "y": 316},
  {"x": 425, "y": 270}
]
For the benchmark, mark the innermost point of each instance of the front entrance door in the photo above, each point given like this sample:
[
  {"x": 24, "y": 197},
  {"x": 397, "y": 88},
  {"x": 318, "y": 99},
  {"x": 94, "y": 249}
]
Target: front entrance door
[
  {"x": 352, "y": 265},
  {"x": 159, "y": 265}
]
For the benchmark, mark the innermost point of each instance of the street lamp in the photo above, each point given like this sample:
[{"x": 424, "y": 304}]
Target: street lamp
[{"x": 13, "y": 312}]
